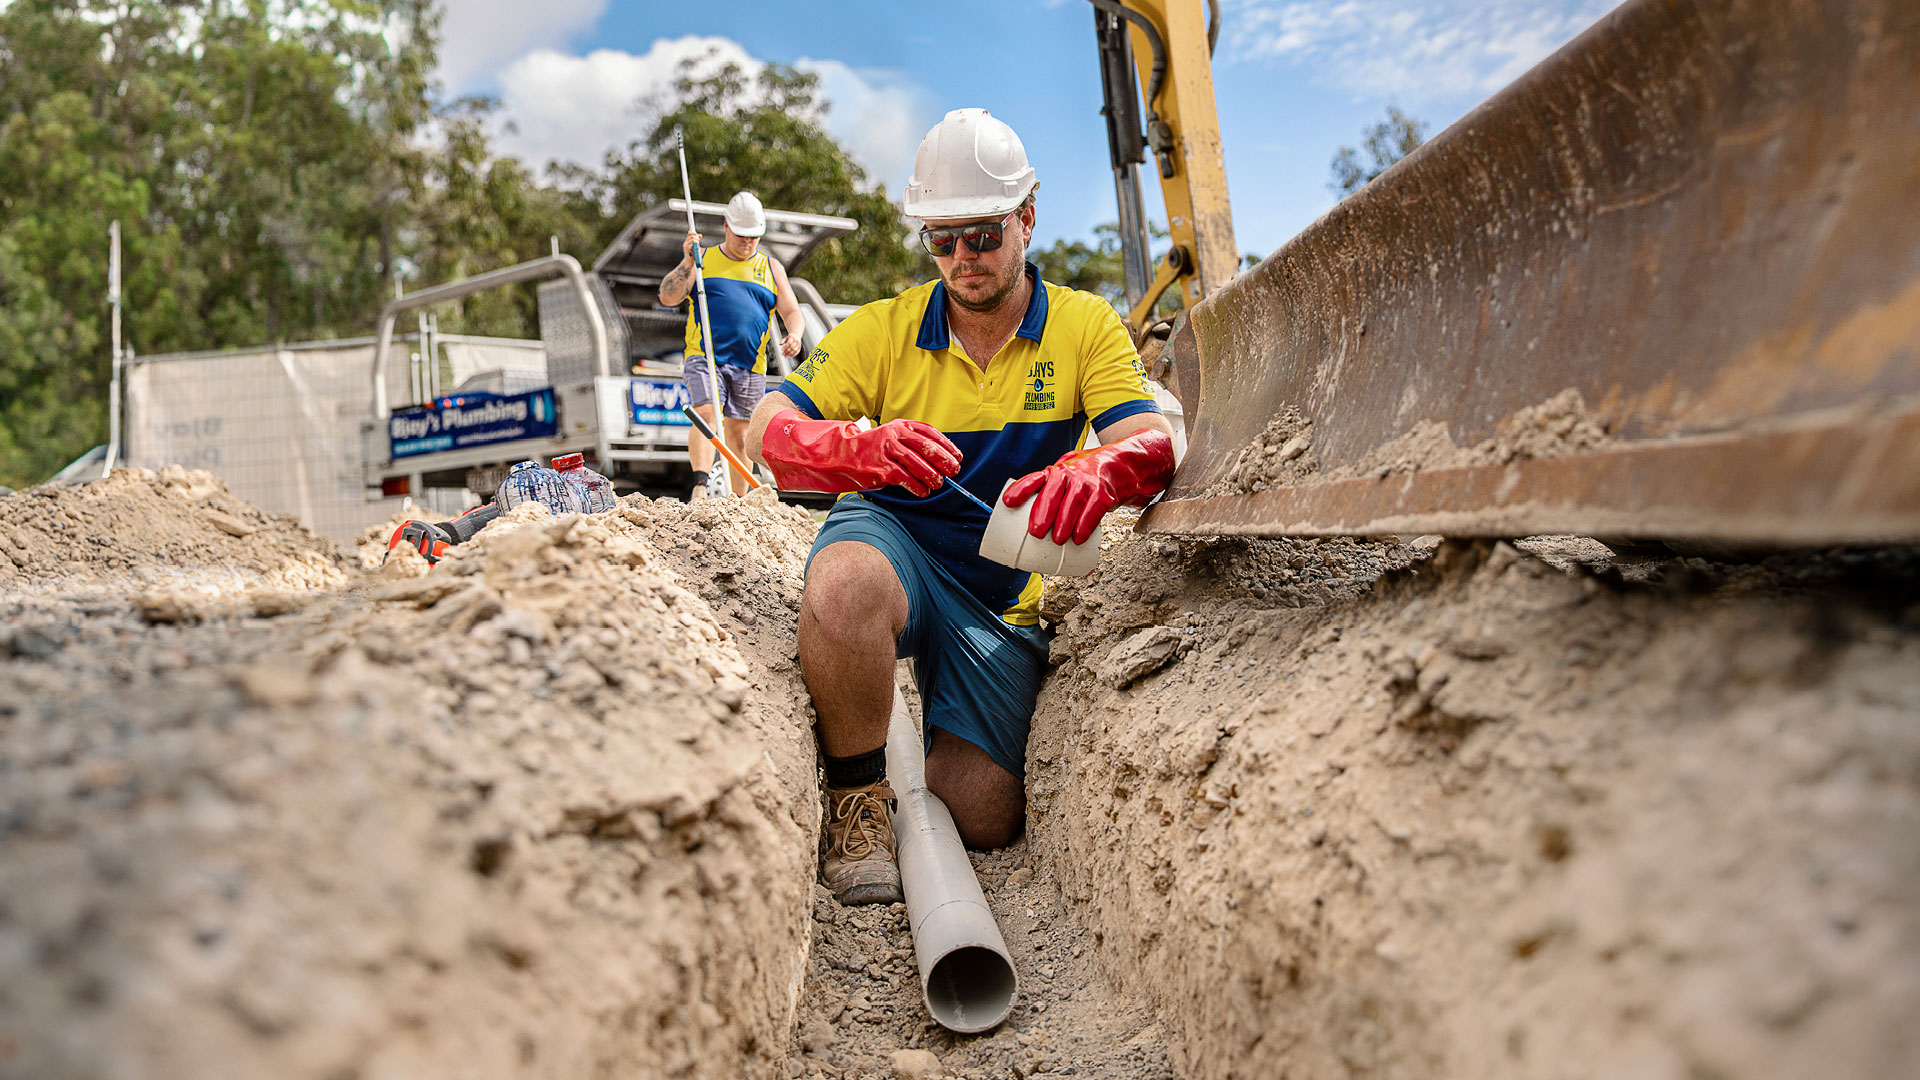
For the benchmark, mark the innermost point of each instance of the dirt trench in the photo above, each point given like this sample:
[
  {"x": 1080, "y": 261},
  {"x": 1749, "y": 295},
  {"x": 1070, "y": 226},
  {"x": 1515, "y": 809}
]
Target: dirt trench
[
  {"x": 547, "y": 809},
  {"x": 1340, "y": 808},
  {"x": 1311, "y": 809}
]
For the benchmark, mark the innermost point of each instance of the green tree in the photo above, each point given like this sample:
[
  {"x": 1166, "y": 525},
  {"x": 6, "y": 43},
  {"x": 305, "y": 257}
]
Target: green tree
[
  {"x": 269, "y": 164},
  {"x": 1094, "y": 267},
  {"x": 480, "y": 211},
  {"x": 255, "y": 153},
  {"x": 42, "y": 398},
  {"x": 1384, "y": 143},
  {"x": 1097, "y": 267}
]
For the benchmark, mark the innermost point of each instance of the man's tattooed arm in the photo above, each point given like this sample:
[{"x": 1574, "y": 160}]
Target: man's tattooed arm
[{"x": 673, "y": 287}]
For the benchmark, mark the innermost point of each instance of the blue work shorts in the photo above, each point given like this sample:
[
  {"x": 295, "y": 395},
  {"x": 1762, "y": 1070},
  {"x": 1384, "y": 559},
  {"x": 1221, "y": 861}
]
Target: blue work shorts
[{"x": 978, "y": 675}]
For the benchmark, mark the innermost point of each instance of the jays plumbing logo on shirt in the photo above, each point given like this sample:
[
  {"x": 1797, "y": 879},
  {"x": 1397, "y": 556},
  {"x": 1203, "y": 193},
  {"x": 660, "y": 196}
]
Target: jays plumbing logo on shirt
[
  {"x": 814, "y": 360},
  {"x": 472, "y": 420},
  {"x": 1039, "y": 387}
]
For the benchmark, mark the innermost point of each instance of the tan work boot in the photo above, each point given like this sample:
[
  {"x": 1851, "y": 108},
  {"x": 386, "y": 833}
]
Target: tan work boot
[{"x": 858, "y": 867}]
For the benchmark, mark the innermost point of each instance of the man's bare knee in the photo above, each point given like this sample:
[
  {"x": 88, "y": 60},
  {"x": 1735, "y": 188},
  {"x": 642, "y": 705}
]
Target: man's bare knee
[
  {"x": 988, "y": 803},
  {"x": 851, "y": 589}
]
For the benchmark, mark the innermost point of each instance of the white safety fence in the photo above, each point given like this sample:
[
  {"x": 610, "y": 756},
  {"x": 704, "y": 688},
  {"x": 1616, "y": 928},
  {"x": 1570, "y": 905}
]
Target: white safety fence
[{"x": 282, "y": 424}]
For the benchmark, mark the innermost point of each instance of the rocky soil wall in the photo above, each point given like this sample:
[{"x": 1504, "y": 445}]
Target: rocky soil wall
[
  {"x": 544, "y": 811},
  {"x": 1488, "y": 816}
]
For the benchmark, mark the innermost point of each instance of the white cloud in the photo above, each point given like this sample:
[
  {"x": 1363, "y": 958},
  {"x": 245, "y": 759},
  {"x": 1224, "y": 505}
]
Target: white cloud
[
  {"x": 1416, "y": 49},
  {"x": 477, "y": 36},
  {"x": 878, "y": 116},
  {"x": 575, "y": 108}
]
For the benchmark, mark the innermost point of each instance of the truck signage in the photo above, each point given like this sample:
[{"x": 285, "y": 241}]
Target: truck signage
[
  {"x": 658, "y": 401},
  {"x": 463, "y": 420}
]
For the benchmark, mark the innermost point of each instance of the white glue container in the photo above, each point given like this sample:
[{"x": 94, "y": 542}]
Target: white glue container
[{"x": 1006, "y": 542}]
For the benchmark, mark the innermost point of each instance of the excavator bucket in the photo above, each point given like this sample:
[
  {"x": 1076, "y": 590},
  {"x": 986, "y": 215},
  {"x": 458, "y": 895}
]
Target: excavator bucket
[{"x": 1666, "y": 285}]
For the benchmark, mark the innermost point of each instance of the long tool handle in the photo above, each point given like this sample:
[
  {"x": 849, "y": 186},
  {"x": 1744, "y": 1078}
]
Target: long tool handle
[
  {"x": 700, "y": 287},
  {"x": 701, "y": 423}
]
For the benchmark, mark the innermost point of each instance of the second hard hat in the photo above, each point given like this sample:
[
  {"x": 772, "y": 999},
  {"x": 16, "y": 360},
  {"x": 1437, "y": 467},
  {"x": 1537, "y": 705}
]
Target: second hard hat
[
  {"x": 745, "y": 216},
  {"x": 970, "y": 165}
]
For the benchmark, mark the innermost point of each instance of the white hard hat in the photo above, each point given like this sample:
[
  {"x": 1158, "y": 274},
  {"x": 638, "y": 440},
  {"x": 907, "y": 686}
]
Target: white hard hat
[
  {"x": 744, "y": 215},
  {"x": 970, "y": 165}
]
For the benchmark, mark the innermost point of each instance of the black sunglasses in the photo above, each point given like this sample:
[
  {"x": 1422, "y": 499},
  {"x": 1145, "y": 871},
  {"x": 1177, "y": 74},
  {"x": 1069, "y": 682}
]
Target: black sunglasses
[{"x": 981, "y": 236}]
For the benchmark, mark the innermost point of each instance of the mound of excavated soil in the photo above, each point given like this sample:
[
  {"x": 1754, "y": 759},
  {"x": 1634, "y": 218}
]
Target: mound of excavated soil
[
  {"x": 541, "y": 811},
  {"x": 1487, "y": 818},
  {"x": 175, "y": 529}
]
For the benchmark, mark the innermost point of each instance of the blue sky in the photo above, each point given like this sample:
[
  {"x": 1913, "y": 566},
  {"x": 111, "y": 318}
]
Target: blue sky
[{"x": 1294, "y": 79}]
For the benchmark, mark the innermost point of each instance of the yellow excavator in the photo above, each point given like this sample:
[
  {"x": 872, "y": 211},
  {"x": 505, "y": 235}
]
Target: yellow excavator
[
  {"x": 1178, "y": 135},
  {"x": 1665, "y": 285}
]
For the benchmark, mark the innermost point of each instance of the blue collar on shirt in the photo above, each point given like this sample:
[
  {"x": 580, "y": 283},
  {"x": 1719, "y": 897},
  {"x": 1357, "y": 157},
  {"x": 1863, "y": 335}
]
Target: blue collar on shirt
[{"x": 935, "y": 336}]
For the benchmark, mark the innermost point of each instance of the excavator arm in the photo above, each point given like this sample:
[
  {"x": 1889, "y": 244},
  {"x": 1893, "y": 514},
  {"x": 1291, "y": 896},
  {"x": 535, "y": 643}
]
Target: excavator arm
[
  {"x": 1167, "y": 123},
  {"x": 1665, "y": 285}
]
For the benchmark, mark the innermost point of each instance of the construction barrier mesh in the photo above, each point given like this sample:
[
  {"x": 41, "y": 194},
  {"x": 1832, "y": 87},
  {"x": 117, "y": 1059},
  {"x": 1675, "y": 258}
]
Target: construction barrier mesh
[{"x": 282, "y": 426}]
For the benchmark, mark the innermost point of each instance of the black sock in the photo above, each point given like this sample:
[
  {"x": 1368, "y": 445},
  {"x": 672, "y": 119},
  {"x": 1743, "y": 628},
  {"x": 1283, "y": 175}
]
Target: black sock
[
  {"x": 699, "y": 479},
  {"x": 858, "y": 770}
]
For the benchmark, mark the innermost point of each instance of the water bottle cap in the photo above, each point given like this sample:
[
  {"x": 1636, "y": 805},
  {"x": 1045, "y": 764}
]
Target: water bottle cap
[
  {"x": 525, "y": 465},
  {"x": 569, "y": 461}
]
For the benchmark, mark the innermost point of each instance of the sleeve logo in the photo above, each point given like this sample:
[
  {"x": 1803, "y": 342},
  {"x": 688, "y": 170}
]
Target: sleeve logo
[{"x": 813, "y": 363}]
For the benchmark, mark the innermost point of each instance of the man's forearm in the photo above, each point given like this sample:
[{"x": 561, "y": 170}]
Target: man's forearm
[
  {"x": 673, "y": 287},
  {"x": 791, "y": 318},
  {"x": 763, "y": 413}
]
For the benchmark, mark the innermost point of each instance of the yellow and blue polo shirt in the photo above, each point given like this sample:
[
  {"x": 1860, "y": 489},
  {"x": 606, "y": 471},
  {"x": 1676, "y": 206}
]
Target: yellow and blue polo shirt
[
  {"x": 1068, "y": 366},
  {"x": 740, "y": 298}
]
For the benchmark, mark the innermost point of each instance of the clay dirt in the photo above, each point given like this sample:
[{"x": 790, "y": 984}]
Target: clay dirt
[{"x": 1386, "y": 808}]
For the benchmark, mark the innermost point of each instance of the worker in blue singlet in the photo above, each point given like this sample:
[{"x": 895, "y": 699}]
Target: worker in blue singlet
[{"x": 744, "y": 287}]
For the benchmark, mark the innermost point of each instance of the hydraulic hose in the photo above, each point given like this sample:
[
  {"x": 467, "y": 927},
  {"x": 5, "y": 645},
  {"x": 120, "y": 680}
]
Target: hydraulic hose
[
  {"x": 1159, "y": 132},
  {"x": 1159, "y": 47}
]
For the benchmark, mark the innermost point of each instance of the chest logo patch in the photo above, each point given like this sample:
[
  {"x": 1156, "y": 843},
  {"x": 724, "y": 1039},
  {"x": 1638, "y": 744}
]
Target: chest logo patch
[{"x": 1039, "y": 398}]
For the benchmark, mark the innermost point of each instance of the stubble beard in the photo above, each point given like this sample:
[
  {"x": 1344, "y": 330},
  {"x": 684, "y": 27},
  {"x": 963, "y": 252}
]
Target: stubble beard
[{"x": 1003, "y": 289}]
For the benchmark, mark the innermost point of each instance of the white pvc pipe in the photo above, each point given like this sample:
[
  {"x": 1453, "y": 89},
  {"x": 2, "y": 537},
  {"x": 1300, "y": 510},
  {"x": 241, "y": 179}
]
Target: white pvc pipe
[{"x": 966, "y": 976}]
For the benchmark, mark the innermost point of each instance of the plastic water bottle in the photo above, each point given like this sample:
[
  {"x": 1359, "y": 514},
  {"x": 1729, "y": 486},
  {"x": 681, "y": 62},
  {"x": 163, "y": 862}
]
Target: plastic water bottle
[
  {"x": 533, "y": 482},
  {"x": 596, "y": 491}
]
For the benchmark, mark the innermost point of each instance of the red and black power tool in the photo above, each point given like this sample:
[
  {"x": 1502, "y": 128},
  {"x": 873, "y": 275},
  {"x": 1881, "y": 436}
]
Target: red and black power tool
[{"x": 432, "y": 539}]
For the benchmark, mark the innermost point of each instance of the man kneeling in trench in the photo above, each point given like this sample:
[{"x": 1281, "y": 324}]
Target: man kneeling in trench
[{"x": 985, "y": 375}]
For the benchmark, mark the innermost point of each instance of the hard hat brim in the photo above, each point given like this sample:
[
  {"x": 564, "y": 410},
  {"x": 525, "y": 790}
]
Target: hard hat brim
[{"x": 961, "y": 207}]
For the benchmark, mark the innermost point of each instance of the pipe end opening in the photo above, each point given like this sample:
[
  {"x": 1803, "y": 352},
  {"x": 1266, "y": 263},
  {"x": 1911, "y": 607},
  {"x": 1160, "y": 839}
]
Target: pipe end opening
[{"x": 971, "y": 989}]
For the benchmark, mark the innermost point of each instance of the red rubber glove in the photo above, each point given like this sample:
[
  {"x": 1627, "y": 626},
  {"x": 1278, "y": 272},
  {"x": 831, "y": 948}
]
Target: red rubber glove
[
  {"x": 836, "y": 456},
  {"x": 1079, "y": 489}
]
